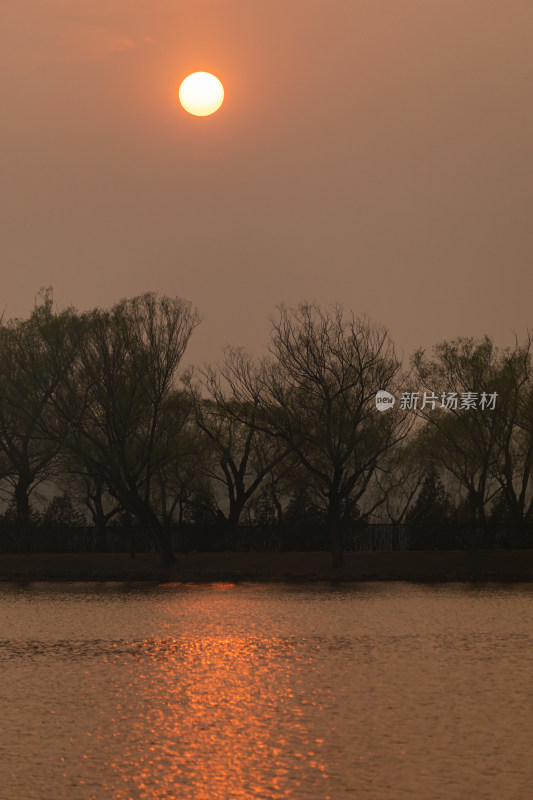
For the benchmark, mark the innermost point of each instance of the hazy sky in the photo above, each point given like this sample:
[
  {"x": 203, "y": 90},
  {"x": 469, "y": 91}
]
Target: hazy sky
[{"x": 376, "y": 153}]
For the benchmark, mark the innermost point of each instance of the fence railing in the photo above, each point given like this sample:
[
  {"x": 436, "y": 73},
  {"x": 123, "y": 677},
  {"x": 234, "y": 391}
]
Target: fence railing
[{"x": 384, "y": 537}]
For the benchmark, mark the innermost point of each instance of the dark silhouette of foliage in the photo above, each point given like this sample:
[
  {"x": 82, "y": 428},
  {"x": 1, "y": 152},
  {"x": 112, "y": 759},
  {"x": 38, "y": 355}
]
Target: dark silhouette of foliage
[
  {"x": 291, "y": 445},
  {"x": 61, "y": 511},
  {"x": 429, "y": 521}
]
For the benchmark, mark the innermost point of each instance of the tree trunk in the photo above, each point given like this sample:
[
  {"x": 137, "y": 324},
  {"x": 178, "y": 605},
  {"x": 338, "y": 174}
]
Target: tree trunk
[
  {"x": 100, "y": 522},
  {"x": 101, "y": 537},
  {"x": 476, "y": 527},
  {"x": 234, "y": 515},
  {"x": 336, "y": 543},
  {"x": 395, "y": 536},
  {"x": 131, "y": 533},
  {"x": 24, "y": 536},
  {"x": 158, "y": 534}
]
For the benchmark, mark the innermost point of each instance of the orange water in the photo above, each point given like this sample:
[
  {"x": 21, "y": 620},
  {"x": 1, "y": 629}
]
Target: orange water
[{"x": 234, "y": 692}]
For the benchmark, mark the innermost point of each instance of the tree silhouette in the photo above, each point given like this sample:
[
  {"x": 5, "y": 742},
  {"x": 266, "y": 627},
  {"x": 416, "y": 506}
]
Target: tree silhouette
[
  {"x": 34, "y": 357},
  {"x": 111, "y": 407},
  {"x": 316, "y": 394}
]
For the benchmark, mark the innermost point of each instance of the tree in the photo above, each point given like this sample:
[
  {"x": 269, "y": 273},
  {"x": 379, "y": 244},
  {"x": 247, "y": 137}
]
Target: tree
[
  {"x": 316, "y": 394},
  {"x": 111, "y": 407},
  {"x": 61, "y": 511},
  {"x": 514, "y": 415},
  {"x": 182, "y": 474},
  {"x": 88, "y": 488},
  {"x": 243, "y": 455},
  {"x": 463, "y": 439},
  {"x": 400, "y": 477},
  {"x": 34, "y": 357},
  {"x": 429, "y": 519}
]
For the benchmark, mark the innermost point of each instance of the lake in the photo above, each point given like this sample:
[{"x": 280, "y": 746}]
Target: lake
[{"x": 236, "y": 692}]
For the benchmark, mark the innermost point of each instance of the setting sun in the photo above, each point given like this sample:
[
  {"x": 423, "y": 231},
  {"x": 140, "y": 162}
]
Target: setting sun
[{"x": 201, "y": 94}]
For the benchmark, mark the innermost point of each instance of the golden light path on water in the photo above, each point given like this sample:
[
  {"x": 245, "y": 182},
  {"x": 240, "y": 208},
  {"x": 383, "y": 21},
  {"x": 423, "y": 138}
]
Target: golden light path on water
[
  {"x": 210, "y": 736},
  {"x": 224, "y": 733},
  {"x": 273, "y": 692},
  {"x": 222, "y": 723}
]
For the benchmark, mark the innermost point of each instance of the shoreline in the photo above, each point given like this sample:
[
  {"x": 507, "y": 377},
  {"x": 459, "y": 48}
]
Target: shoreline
[{"x": 301, "y": 567}]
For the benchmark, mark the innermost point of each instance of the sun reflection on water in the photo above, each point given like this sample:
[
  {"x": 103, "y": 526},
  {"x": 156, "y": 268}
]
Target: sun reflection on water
[
  {"x": 222, "y": 723},
  {"x": 265, "y": 693}
]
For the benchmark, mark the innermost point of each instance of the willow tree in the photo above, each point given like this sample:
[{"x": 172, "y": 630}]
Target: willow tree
[
  {"x": 514, "y": 414},
  {"x": 35, "y": 355},
  {"x": 457, "y": 388},
  {"x": 111, "y": 409},
  {"x": 183, "y": 472},
  {"x": 315, "y": 393},
  {"x": 88, "y": 488}
]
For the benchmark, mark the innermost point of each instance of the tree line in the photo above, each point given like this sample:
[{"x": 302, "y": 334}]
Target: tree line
[{"x": 98, "y": 403}]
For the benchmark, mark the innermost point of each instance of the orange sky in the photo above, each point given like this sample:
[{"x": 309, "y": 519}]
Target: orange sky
[{"x": 377, "y": 153}]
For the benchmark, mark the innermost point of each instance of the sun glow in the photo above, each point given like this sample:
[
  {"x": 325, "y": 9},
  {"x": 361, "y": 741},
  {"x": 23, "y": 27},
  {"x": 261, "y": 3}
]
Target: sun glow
[{"x": 201, "y": 94}]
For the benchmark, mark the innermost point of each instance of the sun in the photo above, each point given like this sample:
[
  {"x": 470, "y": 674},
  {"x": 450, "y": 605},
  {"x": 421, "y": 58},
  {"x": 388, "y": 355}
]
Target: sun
[{"x": 201, "y": 94}]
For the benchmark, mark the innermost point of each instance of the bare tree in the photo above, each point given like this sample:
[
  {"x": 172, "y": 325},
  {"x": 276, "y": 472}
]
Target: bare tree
[
  {"x": 242, "y": 455},
  {"x": 399, "y": 478},
  {"x": 89, "y": 489},
  {"x": 316, "y": 394},
  {"x": 183, "y": 472}
]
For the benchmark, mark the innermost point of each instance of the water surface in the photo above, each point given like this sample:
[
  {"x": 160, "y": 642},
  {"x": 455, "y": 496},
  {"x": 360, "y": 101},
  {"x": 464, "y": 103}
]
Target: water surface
[{"x": 224, "y": 692}]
